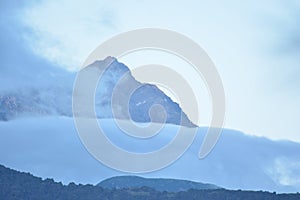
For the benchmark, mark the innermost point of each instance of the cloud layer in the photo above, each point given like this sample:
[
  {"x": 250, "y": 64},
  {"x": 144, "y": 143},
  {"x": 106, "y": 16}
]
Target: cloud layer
[{"x": 51, "y": 148}]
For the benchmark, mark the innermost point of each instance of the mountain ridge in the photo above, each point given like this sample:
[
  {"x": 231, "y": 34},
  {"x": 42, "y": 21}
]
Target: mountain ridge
[
  {"x": 56, "y": 97},
  {"x": 159, "y": 184},
  {"x": 19, "y": 185}
]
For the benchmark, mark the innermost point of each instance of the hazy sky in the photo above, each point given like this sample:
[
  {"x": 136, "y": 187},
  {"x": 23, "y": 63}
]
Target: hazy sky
[{"x": 255, "y": 46}]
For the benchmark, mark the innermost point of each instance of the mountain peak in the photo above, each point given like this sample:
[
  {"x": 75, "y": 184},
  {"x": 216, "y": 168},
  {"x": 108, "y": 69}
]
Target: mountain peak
[
  {"x": 57, "y": 100},
  {"x": 110, "y": 59},
  {"x": 107, "y": 61},
  {"x": 143, "y": 97}
]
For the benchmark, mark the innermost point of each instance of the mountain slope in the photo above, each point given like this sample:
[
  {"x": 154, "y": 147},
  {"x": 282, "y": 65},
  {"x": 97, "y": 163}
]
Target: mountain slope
[
  {"x": 144, "y": 96},
  {"x": 51, "y": 95},
  {"x": 159, "y": 184}
]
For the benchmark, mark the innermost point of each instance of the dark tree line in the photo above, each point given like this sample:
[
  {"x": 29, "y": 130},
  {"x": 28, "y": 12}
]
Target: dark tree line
[{"x": 17, "y": 185}]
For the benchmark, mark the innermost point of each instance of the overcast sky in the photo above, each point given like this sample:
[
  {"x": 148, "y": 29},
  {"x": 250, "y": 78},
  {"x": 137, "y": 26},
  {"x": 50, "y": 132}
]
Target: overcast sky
[{"x": 255, "y": 46}]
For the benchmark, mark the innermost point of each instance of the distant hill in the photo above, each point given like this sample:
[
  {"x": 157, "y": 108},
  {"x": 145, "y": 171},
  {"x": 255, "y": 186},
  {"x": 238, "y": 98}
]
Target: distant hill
[
  {"x": 16, "y": 185},
  {"x": 159, "y": 184}
]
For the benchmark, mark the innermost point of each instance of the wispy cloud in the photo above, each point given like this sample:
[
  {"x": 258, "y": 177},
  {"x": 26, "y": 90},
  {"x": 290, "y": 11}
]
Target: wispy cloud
[
  {"x": 285, "y": 171},
  {"x": 65, "y": 31},
  {"x": 20, "y": 67}
]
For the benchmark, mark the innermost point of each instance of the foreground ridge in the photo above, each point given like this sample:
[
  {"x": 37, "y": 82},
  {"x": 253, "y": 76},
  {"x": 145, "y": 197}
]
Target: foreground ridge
[{"x": 20, "y": 185}]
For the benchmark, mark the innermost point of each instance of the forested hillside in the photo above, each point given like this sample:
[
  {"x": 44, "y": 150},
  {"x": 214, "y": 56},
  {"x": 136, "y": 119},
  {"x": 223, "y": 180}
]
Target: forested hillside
[{"x": 18, "y": 185}]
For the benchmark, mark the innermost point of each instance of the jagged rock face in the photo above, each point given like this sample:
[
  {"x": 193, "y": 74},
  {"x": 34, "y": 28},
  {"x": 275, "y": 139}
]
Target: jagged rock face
[
  {"x": 56, "y": 99},
  {"x": 142, "y": 98}
]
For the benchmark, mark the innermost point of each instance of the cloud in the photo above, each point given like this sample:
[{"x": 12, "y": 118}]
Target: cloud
[
  {"x": 20, "y": 67},
  {"x": 64, "y": 32},
  {"x": 238, "y": 161},
  {"x": 286, "y": 171},
  {"x": 284, "y": 45}
]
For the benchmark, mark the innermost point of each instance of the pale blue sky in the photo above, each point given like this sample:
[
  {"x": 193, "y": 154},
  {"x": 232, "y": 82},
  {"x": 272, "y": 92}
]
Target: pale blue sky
[{"x": 255, "y": 46}]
